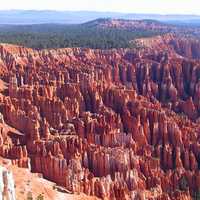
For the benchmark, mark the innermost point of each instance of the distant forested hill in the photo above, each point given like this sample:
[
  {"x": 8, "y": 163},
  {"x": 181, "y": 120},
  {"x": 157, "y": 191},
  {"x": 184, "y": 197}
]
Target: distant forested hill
[{"x": 59, "y": 36}]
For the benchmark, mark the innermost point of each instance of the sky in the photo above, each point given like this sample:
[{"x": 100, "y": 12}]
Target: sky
[{"x": 126, "y": 6}]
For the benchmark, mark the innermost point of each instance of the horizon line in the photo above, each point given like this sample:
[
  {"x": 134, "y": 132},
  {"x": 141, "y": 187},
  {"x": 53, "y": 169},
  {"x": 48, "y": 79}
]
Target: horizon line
[{"x": 101, "y": 11}]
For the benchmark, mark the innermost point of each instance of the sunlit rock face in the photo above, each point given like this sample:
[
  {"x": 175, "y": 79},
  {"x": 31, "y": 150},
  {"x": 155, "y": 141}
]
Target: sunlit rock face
[
  {"x": 115, "y": 124},
  {"x": 187, "y": 47},
  {"x": 7, "y": 189}
]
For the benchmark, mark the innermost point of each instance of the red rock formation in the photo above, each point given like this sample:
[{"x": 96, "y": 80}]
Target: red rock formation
[
  {"x": 175, "y": 45},
  {"x": 106, "y": 123}
]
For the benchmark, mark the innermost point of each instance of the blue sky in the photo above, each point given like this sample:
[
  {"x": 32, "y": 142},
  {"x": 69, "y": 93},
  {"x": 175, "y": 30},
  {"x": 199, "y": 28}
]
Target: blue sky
[{"x": 129, "y": 6}]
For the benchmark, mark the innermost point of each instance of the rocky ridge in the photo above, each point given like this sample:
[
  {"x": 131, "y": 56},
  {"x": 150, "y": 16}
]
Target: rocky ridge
[{"x": 126, "y": 24}]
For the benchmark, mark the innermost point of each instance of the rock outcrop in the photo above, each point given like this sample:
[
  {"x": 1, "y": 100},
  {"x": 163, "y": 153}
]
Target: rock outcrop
[{"x": 7, "y": 189}]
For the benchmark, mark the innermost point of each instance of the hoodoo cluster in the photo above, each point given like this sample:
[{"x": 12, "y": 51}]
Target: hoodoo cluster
[{"x": 116, "y": 124}]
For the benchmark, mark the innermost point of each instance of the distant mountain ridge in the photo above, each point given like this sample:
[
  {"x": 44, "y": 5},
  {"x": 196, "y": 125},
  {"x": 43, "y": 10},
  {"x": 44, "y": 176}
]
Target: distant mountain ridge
[
  {"x": 78, "y": 17},
  {"x": 128, "y": 24}
]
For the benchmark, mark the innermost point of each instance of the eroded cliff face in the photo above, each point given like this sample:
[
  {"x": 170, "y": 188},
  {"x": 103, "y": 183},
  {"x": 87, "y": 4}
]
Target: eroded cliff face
[
  {"x": 174, "y": 44},
  {"x": 116, "y": 124}
]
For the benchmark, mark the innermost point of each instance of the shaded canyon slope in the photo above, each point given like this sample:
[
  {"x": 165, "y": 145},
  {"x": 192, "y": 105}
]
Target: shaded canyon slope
[{"x": 116, "y": 124}]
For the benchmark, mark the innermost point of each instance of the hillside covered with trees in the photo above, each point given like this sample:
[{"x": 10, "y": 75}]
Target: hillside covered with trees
[{"x": 60, "y": 36}]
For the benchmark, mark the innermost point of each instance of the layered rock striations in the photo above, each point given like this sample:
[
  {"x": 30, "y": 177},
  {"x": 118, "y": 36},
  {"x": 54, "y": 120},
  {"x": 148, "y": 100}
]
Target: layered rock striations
[{"x": 115, "y": 124}]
